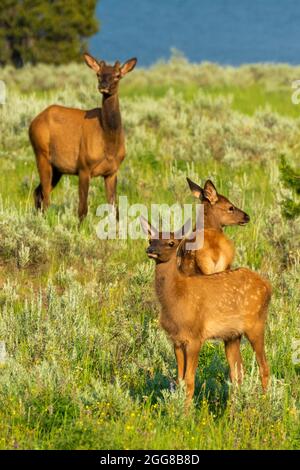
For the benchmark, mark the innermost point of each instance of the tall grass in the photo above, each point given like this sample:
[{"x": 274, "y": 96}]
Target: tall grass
[{"x": 87, "y": 365}]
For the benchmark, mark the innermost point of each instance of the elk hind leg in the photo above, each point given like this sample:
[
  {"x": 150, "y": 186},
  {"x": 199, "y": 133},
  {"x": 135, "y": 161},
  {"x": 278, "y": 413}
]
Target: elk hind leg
[
  {"x": 234, "y": 359},
  {"x": 84, "y": 183},
  {"x": 257, "y": 342},
  {"x": 38, "y": 197},
  {"x": 42, "y": 192},
  {"x": 38, "y": 192},
  {"x": 56, "y": 176}
]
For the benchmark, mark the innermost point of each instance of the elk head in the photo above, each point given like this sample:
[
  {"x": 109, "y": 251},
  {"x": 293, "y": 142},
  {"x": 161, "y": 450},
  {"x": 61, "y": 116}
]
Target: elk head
[
  {"x": 109, "y": 75},
  {"x": 223, "y": 211},
  {"x": 163, "y": 245}
]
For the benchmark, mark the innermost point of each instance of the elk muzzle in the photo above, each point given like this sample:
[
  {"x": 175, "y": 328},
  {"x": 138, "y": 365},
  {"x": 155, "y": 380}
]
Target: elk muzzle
[
  {"x": 151, "y": 252},
  {"x": 245, "y": 220}
]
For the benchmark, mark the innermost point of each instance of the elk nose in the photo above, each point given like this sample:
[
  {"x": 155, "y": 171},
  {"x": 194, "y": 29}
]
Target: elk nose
[
  {"x": 149, "y": 249},
  {"x": 246, "y": 218},
  {"x": 104, "y": 87}
]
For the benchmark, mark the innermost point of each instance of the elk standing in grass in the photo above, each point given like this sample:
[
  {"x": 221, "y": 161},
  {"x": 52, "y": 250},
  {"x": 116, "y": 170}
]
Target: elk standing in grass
[
  {"x": 198, "y": 308},
  {"x": 217, "y": 252},
  {"x": 84, "y": 143}
]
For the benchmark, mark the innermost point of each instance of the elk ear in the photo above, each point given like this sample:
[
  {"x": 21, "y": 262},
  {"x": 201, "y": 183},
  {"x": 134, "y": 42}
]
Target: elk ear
[
  {"x": 184, "y": 230},
  {"x": 147, "y": 228},
  {"x": 128, "y": 66},
  {"x": 196, "y": 190},
  {"x": 180, "y": 253},
  {"x": 91, "y": 62},
  {"x": 210, "y": 192}
]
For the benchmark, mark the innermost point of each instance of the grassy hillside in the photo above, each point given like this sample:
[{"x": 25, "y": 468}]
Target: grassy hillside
[{"x": 87, "y": 364}]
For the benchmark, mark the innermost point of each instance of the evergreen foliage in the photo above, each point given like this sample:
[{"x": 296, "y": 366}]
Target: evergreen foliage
[{"x": 52, "y": 31}]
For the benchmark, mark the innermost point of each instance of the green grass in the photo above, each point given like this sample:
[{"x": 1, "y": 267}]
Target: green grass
[
  {"x": 88, "y": 365},
  {"x": 246, "y": 100}
]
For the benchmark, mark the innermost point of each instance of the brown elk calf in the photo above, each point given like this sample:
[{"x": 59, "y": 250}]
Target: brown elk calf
[
  {"x": 69, "y": 141},
  {"x": 217, "y": 252},
  {"x": 198, "y": 308}
]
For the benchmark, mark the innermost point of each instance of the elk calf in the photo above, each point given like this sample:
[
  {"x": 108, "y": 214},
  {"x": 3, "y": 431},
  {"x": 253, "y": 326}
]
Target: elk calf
[
  {"x": 217, "y": 252},
  {"x": 215, "y": 255},
  {"x": 194, "y": 309},
  {"x": 69, "y": 141}
]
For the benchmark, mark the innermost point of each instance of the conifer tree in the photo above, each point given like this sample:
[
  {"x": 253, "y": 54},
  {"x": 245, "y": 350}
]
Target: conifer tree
[{"x": 49, "y": 31}]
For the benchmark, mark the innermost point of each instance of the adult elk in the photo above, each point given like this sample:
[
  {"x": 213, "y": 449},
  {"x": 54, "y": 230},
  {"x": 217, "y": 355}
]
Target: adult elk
[
  {"x": 84, "y": 143},
  {"x": 198, "y": 308}
]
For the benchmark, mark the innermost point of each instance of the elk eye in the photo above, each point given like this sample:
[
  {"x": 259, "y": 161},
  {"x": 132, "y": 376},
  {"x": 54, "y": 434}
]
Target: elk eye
[
  {"x": 171, "y": 243},
  {"x": 231, "y": 209}
]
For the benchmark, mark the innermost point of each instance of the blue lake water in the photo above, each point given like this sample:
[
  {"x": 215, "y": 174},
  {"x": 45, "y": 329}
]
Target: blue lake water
[{"x": 224, "y": 31}]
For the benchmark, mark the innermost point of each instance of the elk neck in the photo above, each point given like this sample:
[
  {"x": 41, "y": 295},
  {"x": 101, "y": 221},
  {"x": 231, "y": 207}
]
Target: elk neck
[
  {"x": 210, "y": 220},
  {"x": 163, "y": 271},
  {"x": 111, "y": 117}
]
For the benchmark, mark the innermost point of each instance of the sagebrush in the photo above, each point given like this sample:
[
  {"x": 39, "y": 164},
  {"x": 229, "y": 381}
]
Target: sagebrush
[{"x": 86, "y": 363}]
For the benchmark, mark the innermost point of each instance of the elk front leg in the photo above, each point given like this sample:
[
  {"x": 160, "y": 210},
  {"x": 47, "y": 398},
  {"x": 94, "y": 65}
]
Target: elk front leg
[
  {"x": 111, "y": 191},
  {"x": 192, "y": 350},
  {"x": 180, "y": 360},
  {"x": 84, "y": 183},
  {"x": 234, "y": 358}
]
